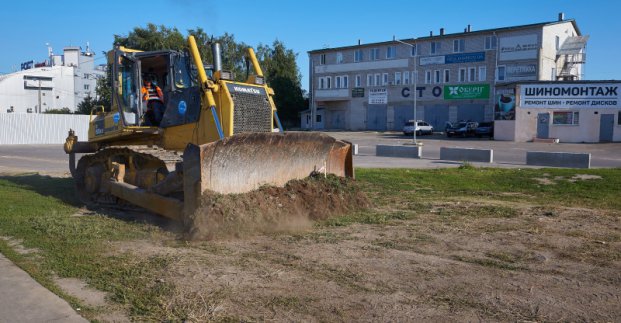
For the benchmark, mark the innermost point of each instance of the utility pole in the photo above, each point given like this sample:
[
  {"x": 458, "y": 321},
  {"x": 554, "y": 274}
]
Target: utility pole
[{"x": 414, "y": 81}]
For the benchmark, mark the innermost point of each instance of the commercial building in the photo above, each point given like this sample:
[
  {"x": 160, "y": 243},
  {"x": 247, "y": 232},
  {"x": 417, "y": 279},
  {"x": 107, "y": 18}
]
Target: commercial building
[
  {"x": 448, "y": 77},
  {"x": 61, "y": 81},
  {"x": 570, "y": 111}
]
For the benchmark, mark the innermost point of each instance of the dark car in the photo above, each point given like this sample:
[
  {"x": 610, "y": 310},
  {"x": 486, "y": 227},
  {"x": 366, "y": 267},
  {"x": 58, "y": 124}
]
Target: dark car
[
  {"x": 462, "y": 128},
  {"x": 485, "y": 129}
]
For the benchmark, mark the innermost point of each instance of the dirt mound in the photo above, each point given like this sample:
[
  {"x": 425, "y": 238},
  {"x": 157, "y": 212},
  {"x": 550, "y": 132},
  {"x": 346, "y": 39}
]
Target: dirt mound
[{"x": 275, "y": 209}]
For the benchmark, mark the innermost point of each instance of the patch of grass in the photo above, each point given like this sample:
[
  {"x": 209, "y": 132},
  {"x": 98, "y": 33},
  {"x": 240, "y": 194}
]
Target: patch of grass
[
  {"x": 368, "y": 217},
  {"x": 38, "y": 210},
  {"x": 487, "y": 262},
  {"x": 412, "y": 243},
  {"x": 403, "y": 185},
  {"x": 478, "y": 211}
]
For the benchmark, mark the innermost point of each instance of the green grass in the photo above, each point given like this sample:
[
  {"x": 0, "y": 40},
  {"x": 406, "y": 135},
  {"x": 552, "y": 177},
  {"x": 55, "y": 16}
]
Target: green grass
[
  {"x": 390, "y": 186},
  {"x": 39, "y": 211}
]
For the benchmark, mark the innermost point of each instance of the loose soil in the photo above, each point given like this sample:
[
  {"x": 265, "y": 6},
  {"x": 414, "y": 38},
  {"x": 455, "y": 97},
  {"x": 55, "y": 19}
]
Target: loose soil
[
  {"x": 532, "y": 263},
  {"x": 292, "y": 208}
]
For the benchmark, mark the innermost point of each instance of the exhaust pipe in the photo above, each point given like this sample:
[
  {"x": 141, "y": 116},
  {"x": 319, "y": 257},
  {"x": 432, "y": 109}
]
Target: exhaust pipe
[{"x": 217, "y": 57}]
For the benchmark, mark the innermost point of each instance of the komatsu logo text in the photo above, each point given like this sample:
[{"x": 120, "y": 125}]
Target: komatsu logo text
[{"x": 248, "y": 90}]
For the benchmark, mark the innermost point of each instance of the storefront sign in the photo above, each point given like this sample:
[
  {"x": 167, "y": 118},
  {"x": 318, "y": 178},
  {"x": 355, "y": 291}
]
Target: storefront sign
[
  {"x": 521, "y": 72},
  {"x": 378, "y": 96},
  {"x": 518, "y": 47},
  {"x": 432, "y": 60},
  {"x": 578, "y": 95},
  {"x": 357, "y": 92},
  {"x": 453, "y": 59},
  {"x": 471, "y": 91},
  {"x": 465, "y": 58}
]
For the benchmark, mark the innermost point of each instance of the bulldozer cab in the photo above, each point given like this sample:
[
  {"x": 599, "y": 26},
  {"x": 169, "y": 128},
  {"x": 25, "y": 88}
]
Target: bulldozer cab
[{"x": 171, "y": 72}]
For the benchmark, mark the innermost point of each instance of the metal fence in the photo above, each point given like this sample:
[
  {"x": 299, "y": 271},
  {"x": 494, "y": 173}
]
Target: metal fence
[{"x": 21, "y": 128}]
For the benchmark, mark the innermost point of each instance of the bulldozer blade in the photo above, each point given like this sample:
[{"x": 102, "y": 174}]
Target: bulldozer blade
[{"x": 245, "y": 162}]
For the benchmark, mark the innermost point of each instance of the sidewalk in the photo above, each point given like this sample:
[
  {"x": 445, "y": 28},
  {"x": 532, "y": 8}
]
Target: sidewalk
[{"x": 22, "y": 299}]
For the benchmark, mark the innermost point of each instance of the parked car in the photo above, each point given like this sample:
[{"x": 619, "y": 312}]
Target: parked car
[
  {"x": 422, "y": 128},
  {"x": 462, "y": 128},
  {"x": 485, "y": 129}
]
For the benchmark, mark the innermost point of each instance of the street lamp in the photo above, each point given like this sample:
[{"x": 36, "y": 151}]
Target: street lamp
[{"x": 415, "y": 79}]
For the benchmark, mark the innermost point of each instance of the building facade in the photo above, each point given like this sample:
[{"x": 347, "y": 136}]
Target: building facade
[
  {"x": 62, "y": 81},
  {"x": 570, "y": 111},
  {"x": 448, "y": 77}
]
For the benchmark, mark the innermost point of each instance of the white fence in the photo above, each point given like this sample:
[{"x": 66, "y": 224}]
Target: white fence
[{"x": 22, "y": 128}]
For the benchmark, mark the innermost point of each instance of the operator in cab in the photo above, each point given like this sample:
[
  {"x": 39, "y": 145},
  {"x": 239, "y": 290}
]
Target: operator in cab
[{"x": 153, "y": 99}]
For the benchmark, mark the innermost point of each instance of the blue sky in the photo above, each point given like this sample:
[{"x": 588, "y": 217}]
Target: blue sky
[{"x": 302, "y": 26}]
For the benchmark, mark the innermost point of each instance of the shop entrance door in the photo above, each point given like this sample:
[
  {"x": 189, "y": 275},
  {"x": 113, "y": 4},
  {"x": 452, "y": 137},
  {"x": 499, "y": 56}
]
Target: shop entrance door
[
  {"x": 543, "y": 125},
  {"x": 606, "y": 126}
]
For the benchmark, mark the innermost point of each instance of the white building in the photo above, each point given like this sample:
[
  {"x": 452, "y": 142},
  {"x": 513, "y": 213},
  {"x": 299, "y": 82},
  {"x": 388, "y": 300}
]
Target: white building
[
  {"x": 570, "y": 111},
  {"x": 63, "y": 81}
]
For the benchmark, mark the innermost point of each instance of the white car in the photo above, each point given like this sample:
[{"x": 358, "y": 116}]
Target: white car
[{"x": 422, "y": 128}]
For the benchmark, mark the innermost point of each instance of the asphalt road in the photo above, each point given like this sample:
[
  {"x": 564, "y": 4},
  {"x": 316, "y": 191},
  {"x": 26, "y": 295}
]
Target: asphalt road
[
  {"x": 51, "y": 159},
  {"x": 506, "y": 153}
]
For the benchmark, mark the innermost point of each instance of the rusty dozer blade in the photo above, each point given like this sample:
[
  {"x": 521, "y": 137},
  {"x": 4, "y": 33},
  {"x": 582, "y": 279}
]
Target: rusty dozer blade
[{"x": 244, "y": 162}]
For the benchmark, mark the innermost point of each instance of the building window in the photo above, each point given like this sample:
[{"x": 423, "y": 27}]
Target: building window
[
  {"x": 435, "y": 47},
  {"x": 374, "y": 54},
  {"x": 86, "y": 87},
  {"x": 322, "y": 59},
  {"x": 459, "y": 45},
  {"x": 358, "y": 81},
  {"x": 397, "y": 78},
  {"x": 406, "y": 77},
  {"x": 390, "y": 52},
  {"x": 472, "y": 74},
  {"x": 322, "y": 83},
  {"x": 341, "y": 82},
  {"x": 619, "y": 118},
  {"x": 447, "y": 76},
  {"x": 558, "y": 42},
  {"x": 553, "y": 74},
  {"x": 462, "y": 75},
  {"x": 385, "y": 79},
  {"x": 500, "y": 73},
  {"x": 428, "y": 77},
  {"x": 318, "y": 118},
  {"x": 482, "y": 73},
  {"x": 369, "y": 79},
  {"x": 358, "y": 55},
  {"x": 438, "y": 76},
  {"x": 328, "y": 82},
  {"x": 565, "y": 117},
  {"x": 490, "y": 42},
  {"x": 339, "y": 58},
  {"x": 413, "y": 51},
  {"x": 378, "y": 79}
]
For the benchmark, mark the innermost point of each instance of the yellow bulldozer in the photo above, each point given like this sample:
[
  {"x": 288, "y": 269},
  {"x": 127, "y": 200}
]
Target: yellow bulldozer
[{"x": 213, "y": 135}]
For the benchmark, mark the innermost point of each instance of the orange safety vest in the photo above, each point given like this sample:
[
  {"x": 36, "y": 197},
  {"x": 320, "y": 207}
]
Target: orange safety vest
[{"x": 153, "y": 92}]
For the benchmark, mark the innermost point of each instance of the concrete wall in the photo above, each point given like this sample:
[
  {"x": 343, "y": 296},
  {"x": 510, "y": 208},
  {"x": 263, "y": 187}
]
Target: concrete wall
[
  {"x": 525, "y": 123},
  {"x": 548, "y": 51},
  {"x": 504, "y": 130},
  {"x": 19, "y": 128}
]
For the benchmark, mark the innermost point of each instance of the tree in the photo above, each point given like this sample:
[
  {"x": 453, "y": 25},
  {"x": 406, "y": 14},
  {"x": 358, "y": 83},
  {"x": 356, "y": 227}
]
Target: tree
[
  {"x": 283, "y": 75},
  {"x": 64, "y": 110},
  {"x": 86, "y": 106},
  {"x": 152, "y": 38}
]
